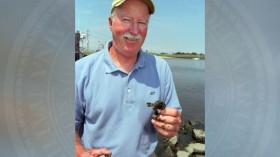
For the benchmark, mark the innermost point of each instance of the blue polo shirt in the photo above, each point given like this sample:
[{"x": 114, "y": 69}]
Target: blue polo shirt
[{"x": 111, "y": 105}]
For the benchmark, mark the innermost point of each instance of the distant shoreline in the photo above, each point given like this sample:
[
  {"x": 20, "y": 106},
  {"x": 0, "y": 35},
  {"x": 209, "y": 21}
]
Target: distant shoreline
[
  {"x": 182, "y": 57},
  {"x": 166, "y": 57}
]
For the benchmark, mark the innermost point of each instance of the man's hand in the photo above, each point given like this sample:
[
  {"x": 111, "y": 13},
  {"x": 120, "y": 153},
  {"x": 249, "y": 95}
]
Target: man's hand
[
  {"x": 80, "y": 151},
  {"x": 168, "y": 122},
  {"x": 92, "y": 152}
]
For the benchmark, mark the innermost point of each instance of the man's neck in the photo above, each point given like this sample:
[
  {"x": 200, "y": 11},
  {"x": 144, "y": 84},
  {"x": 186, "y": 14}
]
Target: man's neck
[{"x": 125, "y": 63}]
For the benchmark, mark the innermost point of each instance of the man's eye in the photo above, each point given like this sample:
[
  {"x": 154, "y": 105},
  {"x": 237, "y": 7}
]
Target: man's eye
[{"x": 144, "y": 23}]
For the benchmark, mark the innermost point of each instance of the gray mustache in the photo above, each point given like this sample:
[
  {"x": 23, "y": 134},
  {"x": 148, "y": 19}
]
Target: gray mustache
[{"x": 132, "y": 37}]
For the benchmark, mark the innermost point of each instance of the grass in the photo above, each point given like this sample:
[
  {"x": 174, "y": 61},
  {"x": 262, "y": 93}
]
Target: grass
[{"x": 185, "y": 56}]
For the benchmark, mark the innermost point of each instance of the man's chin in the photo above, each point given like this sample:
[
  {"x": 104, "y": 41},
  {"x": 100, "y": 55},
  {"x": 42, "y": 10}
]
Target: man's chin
[{"x": 132, "y": 51}]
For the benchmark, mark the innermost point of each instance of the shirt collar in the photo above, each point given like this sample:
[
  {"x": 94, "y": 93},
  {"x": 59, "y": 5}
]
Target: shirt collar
[{"x": 111, "y": 67}]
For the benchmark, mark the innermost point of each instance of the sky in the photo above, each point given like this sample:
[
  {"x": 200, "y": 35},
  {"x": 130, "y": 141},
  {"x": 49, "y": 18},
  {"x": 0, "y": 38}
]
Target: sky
[{"x": 174, "y": 27}]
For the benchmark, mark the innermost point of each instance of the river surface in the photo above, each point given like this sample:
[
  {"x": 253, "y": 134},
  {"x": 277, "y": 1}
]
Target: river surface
[{"x": 189, "y": 81}]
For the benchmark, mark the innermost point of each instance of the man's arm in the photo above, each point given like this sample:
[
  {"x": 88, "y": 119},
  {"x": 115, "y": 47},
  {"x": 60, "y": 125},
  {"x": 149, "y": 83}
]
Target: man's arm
[
  {"x": 80, "y": 150},
  {"x": 168, "y": 122}
]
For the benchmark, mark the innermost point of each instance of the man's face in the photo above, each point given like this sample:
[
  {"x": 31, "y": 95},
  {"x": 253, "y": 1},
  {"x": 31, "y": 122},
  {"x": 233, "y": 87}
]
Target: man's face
[{"x": 131, "y": 18}]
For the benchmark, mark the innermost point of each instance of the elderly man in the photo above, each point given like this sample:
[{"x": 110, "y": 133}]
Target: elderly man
[{"x": 113, "y": 87}]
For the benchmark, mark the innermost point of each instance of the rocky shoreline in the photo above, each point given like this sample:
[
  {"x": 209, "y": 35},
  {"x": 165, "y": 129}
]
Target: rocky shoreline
[{"x": 189, "y": 142}]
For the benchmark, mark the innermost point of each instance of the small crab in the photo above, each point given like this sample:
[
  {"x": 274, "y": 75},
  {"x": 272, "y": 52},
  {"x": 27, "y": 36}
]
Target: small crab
[{"x": 158, "y": 105}]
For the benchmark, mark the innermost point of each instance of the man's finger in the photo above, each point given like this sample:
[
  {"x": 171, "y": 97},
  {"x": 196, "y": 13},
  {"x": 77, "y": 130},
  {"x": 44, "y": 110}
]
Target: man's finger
[
  {"x": 101, "y": 151},
  {"x": 170, "y": 112},
  {"x": 164, "y": 132},
  {"x": 166, "y": 126},
  {"x": 167, "y": 119}
]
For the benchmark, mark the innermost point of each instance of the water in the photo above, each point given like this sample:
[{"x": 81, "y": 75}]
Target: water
[{"x": 189, "y": 81}]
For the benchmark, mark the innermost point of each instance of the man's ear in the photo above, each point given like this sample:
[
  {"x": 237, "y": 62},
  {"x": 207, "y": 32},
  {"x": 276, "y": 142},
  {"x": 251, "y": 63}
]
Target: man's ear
[{"x": 110, "y": 20}]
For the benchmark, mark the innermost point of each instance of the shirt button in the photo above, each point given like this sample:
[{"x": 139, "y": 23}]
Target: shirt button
[{"x": 128, "y": 90}]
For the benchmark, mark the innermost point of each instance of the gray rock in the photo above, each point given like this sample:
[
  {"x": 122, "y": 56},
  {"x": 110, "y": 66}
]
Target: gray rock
[
  {"x": 181, "y": 153},
  {"x": 198, "y": 155},
  {"x": 196, "y": 124},
  {"x": 192, "y": 122},
  {"x": 196, "y": 148},
  {"x": 199, "y": 135},
  {"x": 173, "y": 140}
]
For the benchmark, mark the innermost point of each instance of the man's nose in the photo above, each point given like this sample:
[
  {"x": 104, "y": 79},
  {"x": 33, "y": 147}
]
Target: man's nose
[{"x": 134, "y": 29}]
